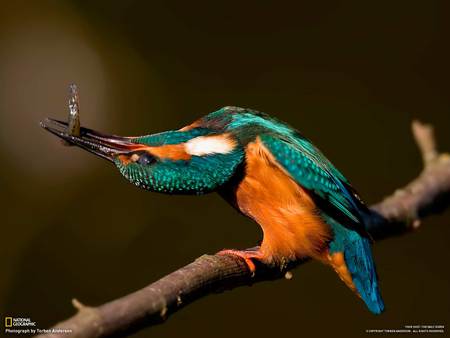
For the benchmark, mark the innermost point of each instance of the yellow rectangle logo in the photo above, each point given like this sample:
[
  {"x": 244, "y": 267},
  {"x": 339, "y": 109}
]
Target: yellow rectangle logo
[{"x": 8, "y": 321}]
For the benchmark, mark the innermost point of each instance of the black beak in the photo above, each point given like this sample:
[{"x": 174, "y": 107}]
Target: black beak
[{"x": 105, "y": 146}]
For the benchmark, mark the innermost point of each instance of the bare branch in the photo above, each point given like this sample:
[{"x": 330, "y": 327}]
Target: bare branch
[
  {"x": 424, "y": 135},
  {"x": 428, "y": 193},
  {"x": 395, "y": 215}
]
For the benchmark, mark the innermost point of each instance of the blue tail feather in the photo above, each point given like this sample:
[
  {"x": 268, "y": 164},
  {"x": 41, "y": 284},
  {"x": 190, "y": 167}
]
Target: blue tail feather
[{"x": 358, "y": 258}]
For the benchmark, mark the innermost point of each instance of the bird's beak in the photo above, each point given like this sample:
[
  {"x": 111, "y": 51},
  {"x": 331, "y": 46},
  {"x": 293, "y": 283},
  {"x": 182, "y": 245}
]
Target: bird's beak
[{"x": 105, "y": 146}]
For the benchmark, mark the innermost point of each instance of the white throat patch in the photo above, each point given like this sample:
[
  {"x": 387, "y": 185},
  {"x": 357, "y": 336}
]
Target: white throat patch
[{"x": 205, "y": 145}]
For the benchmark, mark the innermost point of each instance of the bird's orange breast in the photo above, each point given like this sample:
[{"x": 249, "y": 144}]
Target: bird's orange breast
[{"x": 286, "y": 212}]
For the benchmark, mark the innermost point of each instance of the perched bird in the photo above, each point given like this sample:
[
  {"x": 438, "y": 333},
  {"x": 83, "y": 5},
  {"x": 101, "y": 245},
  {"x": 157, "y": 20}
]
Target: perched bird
[{"x": 268, "y": 172}]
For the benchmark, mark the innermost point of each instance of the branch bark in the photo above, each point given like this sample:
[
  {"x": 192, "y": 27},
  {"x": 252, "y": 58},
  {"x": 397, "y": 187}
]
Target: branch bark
[{"x": 397, "y": 214}]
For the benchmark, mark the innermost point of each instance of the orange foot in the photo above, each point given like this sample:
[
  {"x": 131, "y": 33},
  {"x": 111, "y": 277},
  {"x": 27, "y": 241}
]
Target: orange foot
[{"x": 247, "y": 255}]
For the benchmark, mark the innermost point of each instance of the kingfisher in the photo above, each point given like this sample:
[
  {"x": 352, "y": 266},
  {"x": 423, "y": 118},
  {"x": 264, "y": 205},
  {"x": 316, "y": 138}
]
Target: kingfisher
[{"x": 268, "y": 172}]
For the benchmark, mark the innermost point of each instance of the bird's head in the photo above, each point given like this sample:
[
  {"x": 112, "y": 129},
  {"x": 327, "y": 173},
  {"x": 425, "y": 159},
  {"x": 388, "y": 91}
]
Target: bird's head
[{"x": 195, "y": 159}]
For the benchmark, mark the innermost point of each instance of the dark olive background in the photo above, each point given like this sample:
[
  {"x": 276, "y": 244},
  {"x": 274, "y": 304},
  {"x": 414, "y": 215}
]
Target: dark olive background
[{"x": 349, "y": 75}]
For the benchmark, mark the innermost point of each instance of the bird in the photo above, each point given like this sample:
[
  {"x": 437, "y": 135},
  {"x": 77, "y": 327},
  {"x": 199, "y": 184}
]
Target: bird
[{"x": 268, "y": 172}]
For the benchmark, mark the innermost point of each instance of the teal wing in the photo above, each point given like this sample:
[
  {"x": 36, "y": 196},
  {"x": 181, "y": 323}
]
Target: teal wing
[
  {"x": 313, "y": 171},
  {"x": 300, "y": 158}
]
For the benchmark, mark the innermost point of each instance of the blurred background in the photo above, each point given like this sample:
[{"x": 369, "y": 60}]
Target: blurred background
[{"x": 349, "y": 75}]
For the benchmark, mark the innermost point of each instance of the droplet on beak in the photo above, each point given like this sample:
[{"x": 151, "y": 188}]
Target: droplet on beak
[{"x": 73, "y": 127}]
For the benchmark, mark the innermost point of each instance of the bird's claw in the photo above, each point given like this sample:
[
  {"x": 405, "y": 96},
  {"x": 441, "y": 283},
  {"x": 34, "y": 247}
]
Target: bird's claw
[{"x": 246, "y": 255}]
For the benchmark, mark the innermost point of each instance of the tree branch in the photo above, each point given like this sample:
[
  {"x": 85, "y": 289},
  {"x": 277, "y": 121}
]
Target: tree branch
[{"x": 395, "y": 215}]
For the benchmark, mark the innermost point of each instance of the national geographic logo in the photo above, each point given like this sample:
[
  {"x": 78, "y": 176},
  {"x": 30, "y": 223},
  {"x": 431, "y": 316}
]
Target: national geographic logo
[{"x": 19, "y": 322}]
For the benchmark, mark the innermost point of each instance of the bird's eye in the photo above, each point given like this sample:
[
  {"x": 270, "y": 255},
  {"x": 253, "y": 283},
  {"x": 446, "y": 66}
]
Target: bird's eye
[
  {"x": 146, "y": 159},
  {"x": 143, "y": 158}
]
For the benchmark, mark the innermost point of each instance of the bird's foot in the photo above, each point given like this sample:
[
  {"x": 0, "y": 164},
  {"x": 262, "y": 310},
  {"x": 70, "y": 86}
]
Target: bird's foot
[{"x": 247, "y": 255}]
